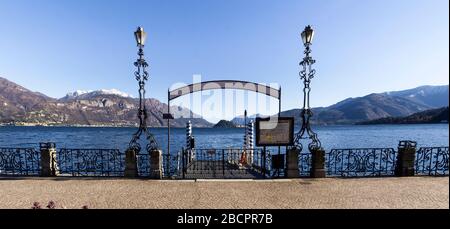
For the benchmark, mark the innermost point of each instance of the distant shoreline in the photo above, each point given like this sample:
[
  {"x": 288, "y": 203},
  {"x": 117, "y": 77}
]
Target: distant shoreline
[
  {"x": 417, "y": 123},
  {"x": 238, "y": 127},
  {"x": 97, "y": 126}
]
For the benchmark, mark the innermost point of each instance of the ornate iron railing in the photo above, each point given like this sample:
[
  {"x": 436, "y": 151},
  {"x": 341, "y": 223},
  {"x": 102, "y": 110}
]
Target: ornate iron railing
[
  {"x": 222, "y": 163},
  {"x": 305, "y": 164},
  {"x": 90, "y": 162},
  {"x": 432, "y": 161},
  {"x": 225, "y": 163},
  {"x": 172, "y": 165},
  {"x": 361, "y": 162},
  {"x": 19, "y": 161},
  {"x": 143, "y": 164}
]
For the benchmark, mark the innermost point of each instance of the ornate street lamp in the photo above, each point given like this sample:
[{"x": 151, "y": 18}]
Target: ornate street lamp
[
  {"x": 306, "y": 74},
  {"x": 307, "y": 36},
  {"x": 140, "y": 36},
  {"x": 141, "y": 75}
]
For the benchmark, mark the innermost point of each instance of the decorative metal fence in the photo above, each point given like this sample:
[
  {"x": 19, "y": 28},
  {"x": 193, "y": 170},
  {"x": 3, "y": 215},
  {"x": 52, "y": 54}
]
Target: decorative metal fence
[
  {"x": 170, "y": 165},
  {"x": 305, "y": 164},
  {"x": 143, "y": 164},
  {"x": 90, "y": 162},
  {"x": 432, "y": 161},
  {"x": 226, "y": 163},
  {"x": 361, "y": 162},
  {"x": 20, "y": 161},
  {"x": 223, "y": 163}
]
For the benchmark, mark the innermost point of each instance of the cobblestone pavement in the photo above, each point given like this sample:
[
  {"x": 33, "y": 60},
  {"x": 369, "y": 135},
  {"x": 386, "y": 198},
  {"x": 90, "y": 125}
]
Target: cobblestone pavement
[{"x": 414, "y": 192}]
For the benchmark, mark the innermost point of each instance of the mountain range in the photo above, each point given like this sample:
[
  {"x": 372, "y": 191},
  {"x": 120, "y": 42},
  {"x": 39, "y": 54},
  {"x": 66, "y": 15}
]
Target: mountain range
[
  {"x": 375, "y": 106},
  {"x": 20, "y": 106},
  {"x": 440, "y": 115}
]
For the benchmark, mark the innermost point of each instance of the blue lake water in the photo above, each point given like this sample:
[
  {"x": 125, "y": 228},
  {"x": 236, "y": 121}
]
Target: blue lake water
[{"x": 349, "y": 136}]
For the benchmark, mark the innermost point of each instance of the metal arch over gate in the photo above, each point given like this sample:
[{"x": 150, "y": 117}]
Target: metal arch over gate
[
  {"x": 218, "y": 84},
  {"x": 225, "y": 84},
  {"x": 215, "y": 85}
]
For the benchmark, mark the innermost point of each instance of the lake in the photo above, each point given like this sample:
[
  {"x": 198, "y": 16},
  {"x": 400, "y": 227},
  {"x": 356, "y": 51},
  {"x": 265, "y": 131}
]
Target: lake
[{"x": 349, "y": 136}]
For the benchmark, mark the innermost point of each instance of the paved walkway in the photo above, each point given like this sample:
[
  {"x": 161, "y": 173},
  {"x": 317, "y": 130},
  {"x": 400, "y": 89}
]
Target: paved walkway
[{"x": 414, "y": 192}]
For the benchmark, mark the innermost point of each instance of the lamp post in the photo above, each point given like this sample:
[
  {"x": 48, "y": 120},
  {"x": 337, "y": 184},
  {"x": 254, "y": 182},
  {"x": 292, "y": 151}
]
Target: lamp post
[
  {"x": 141, "y": 75},
  {"x": 307, "y": 74}
]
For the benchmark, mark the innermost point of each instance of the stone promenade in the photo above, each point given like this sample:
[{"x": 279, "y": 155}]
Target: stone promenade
[{"x": 413, "y": 192}]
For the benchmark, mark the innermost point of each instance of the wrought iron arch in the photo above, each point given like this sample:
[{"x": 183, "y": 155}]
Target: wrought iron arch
[
  {"x": 221, "y": 85},
  {"x": 225, "y": 84}
]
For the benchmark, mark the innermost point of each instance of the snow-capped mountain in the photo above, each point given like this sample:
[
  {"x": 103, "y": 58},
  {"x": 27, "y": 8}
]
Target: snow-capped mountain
[
  {"x": 20, "y": 106},
  {"x": 376, "y": 106},
  {"x": 433, "y": 96},
  {"x": 82, "y": 94}
]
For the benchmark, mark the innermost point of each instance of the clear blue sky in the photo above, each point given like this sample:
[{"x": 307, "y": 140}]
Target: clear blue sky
[{"x": 361, "y": 46}]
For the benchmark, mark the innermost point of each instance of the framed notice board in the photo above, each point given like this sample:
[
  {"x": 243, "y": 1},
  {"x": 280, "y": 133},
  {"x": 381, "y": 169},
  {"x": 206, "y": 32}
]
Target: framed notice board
[{"x": 276, "y": 131}]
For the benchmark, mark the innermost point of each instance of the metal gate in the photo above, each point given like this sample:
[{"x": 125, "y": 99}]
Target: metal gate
[{"x": 225, "y": 163}]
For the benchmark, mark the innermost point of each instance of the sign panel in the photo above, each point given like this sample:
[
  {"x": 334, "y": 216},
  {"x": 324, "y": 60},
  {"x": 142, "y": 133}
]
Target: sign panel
[{"x": 275, "y": 132}]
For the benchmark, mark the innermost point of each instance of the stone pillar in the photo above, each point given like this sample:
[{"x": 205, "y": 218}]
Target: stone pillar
[
  {"x": 131, "y": 169},
  {"x": 318, "y": 163},
  {"x": 406, "y": 158},
  {"x": 156, "y": 162},
  {"x": 292, "y": 163},
  {"x": 48, "y": 159}
]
